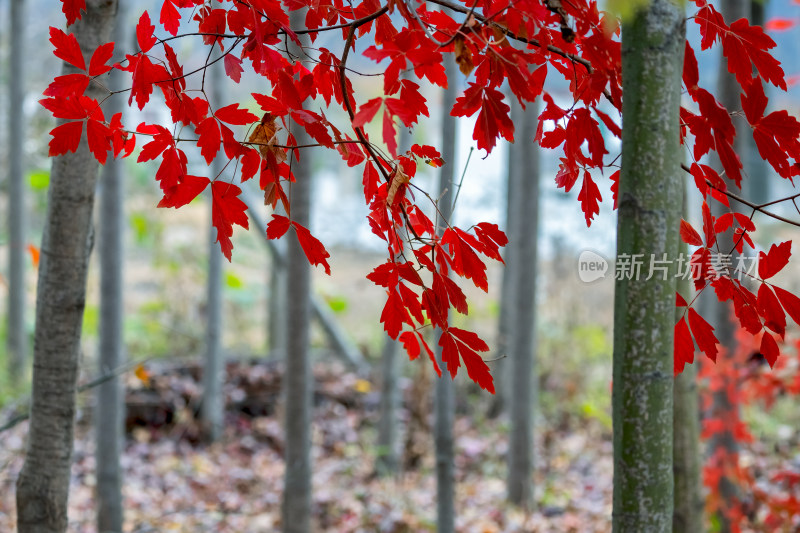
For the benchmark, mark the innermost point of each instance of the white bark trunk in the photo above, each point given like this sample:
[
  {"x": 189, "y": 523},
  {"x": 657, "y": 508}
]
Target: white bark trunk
[
  {"x": 43, "y": 483},
  {"x": 648, "y": 218},
  {"x": 443, "y": 396},
  {"x": 298, "y": 386},
  {"x": 17, "y": 339},
  {"x": 521, "y": 342},
  {"x": 110, "y": 410},
  {"x": 213, "y": 407}
]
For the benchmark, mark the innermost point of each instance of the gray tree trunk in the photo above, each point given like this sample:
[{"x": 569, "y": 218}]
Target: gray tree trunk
[
  {"x": 213, "y": 407},
  {"x": 43, "y": 483},
  {"x": 296, "y": 509},
  {"x": 444, "y": 404},
  {"x": 523, "y": 233},
  {"x": 718, "y": 313},
  {"x": 755, "y": 168},
  {"x": 17, "y": 338},
  {"x": 344, "y": 348},
  {"x": 387, "y": 461},
  {"x": 110, "y": 409},
  {"x": 688, "y": 513},
  {"x": 649, "y": 213},
  {"x": 502, "y": 367},
  {"x": 276, "y": 319}
]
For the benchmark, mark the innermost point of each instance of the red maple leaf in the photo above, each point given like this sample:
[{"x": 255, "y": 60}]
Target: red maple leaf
[
  {"x": 770, "y": 310},
  {"x": 689, "y": 235},
  {"x": 98, "y": 135},
  {"x": 744, "y": 44},
  {"x": 589, "y": 198},
  {"x": 185, "y": 191},
  {"x": 66, "y": 138},
  {"x": 769, "y": 348},
  {"x": 684, "y": 347},
  {"x": 493, "y": 119},
  {"x": 169, "y": 17},
  {"x": 233, "y": 67},
  {"x": 790, "y": 303},
  {"x": 315, "y": 251},
  {"x": 72, "y": 9},
  {"x": 145, "y": 33},
  {"x": 67, "y": 48},
  {"x": 774, "y": 260},
  {"x": 233, "y": 115},
  {"x": 227, "y": 209},
  {"x": 776, "y": 134},
  {"x": 97, "y": 65},
  {"x": 367, "y": 112},
  {"x": 458, "y": 344},
  {"x": 278, "y": 227},
  {"x": 67, "y": 85},
  {"x": 208, "y": 138},
  {"x": 703, "y": 335}
]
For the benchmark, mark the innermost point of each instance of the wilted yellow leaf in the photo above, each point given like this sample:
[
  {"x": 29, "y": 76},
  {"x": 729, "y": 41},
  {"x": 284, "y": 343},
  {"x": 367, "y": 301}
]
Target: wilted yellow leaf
[
  {"x": 264, "y": 135},
  {"x": 363, "y": 386},
  {"x": 34, "y": 251},
  {"x": 463, "y": 56},
  {"x": 144, "y": 376},
  {"x": 399, "y": 178}
]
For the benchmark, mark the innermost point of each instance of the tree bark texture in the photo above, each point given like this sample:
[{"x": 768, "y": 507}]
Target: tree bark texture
[
  {"x": 17, "y": 336},
  {"x": 648, "y": 217},
  {"x": 523, "y": 233},
  {"x": 501, "y": 370},
  {"x": 213, "y": 407},
  {"x": 296, "y": 510},
  {"x": 719, "y": 313},
  {"x": 444, "y": 406},
  {"x": 110, "y": 409},
  {"x": 43, "y": 483},
  {"x": 387, "y": 461},
  {"x": 688, "y": 512}
]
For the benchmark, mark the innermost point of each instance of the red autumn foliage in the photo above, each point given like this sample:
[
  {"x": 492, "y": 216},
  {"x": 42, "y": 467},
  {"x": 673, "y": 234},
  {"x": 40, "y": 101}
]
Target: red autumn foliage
[{"x": 492, "y": 43}]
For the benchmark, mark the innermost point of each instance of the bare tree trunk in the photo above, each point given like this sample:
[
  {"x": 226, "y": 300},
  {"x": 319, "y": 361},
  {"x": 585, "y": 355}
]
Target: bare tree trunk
[
  {"x": 296, "y": 509},
  {"x": 649, "y": 211},
  {"x": 719, "y": 313},
  {"x": 276, "y": 325},
  {"x": 213, "y": 407},
  {"x": 43, "y": 483},
  {"x": 344, "y": 347},
  {"x": 444, "y": 404},
  {"x": 502, "y": 367},
  {"x": 388, "y": 451},
  {"x": 755, "y": 168},
  {"x": 387, "y": 461},
  {"x": 523, "y": 240},
  {"x": 110, "y": 409},
  {"x": 688, "y": 513},
  {"x": 17, "y": 336}
]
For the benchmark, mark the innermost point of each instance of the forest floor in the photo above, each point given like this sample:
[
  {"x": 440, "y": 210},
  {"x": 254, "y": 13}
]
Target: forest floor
[{"x": 175, "y": 483}]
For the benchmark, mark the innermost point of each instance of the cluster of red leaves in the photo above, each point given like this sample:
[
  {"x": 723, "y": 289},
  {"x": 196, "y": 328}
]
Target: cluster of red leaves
[
  {"x": 743, "y": 380},
  {"x": 758, "y": 313},
  {"x": 577, "y": 41}
]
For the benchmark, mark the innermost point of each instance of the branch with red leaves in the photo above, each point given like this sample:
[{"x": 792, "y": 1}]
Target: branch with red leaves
[{"x": 256, "y": 136}]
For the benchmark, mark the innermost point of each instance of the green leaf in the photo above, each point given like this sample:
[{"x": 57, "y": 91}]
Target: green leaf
[
  {"x": 39, "y": 180},
  {"x": 233, "y": 281},
  {"x": 338, "y": 304}
]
